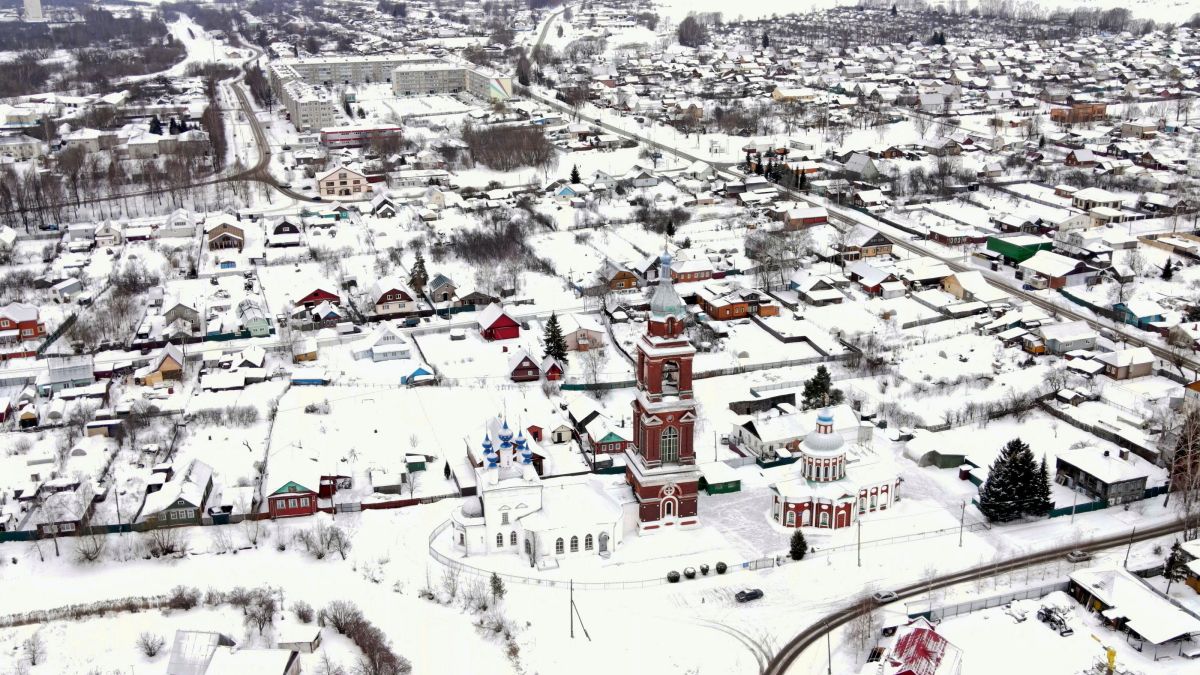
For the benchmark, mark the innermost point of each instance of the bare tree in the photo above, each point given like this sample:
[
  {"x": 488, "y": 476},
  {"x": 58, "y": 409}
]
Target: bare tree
[
  {"x": 260, "y": 613},
  {"x": 450, "y": 581},
  {"x": 593, "y": 361},
  {"x": 34, "y": 649},
  {"x": 150, "y": 644},
  {"x": 862, "y": 627},
  {"x": 1184, "y": 466}
]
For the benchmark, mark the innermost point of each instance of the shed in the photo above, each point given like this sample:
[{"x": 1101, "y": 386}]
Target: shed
[{"x": 719, "y": 478}]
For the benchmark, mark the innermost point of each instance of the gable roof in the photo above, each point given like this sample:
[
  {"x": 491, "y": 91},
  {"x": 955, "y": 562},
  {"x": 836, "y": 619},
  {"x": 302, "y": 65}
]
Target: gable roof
[{"x": 491, "y": 314}]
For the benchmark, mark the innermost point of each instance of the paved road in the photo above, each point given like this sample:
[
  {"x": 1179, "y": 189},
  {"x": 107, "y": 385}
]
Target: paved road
[{"x": 809, "y": 636}]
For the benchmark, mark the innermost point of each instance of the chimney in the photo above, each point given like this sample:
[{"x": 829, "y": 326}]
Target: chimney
[
  {"x": 1106, "y": 454},
  {"x": 1123, "y": 453}
]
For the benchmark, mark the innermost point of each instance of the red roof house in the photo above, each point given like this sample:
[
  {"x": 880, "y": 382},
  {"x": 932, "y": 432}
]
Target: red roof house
[
  {"x": 522, "y": 367},
  {"x": 919, "y": 650},
  {"x": 496, "y": 324},
  {"x": 319, "y": 294}
]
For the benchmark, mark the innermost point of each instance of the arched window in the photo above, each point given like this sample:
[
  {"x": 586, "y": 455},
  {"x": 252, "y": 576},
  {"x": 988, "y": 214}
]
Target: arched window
[
  {"x": 823, "y": 521},
  {"x": 512, "y": 539},
  {"x": 499, "y": 540},
  {"x": 558, "y": 546},
  {"x": 874, "y": 500},
  {"x": 528, "y": 548},
  {"x": 790, "y": 521},
  {"x": 574, "y": 544},
  {"x": 670, "y": 377},
  {"x": 587, "y": 543},
  {"x": 668, "y": 445}
]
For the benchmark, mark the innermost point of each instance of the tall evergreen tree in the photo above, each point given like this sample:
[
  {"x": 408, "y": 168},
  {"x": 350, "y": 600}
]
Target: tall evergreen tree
[
  {"x": 556, "y": 344},
  {"x": 819, "y": 390},
  {"x": 1009, "y": 487},
  {"x": 172, "y": 127},
  {"x": 802, "y": 180},
  {"x": 155, "y": 126},
  {"x": 894, "y": 10},
  {"x": 1175, "y": 568},
  {"x": 766, "y": 40},
  {"x": 997, "y": 494},
  {"x": 418, "y": 277},
  {"x": 799, "y": 547},
  {"x": 575, "y": 174},
  {"x": 1026, "y": 477},
  {"x": 1042, "y": 503},
  {"x": 1167, "y": 270}
]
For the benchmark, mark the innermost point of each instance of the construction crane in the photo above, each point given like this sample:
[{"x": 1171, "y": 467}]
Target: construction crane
[{"x": 1110, "y": 656}]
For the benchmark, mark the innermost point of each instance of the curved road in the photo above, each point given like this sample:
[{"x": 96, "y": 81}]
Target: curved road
[{"x": 830, "y": 622}]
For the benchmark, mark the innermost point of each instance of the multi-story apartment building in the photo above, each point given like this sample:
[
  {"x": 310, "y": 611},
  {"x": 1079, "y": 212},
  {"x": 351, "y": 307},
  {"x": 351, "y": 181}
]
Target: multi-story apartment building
[{"x": 302, "y": 84}]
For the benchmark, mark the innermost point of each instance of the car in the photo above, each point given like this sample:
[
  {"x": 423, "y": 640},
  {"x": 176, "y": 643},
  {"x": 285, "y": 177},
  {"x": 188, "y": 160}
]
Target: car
[
  {"x": 884, "y": 596},
  {"x": 749, "y": 594},
  {"x": 1078, "y": 556}
]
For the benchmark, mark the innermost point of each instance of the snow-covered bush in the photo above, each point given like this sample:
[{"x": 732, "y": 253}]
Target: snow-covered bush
[
  {"x": 183, "y": 597},
  {"x": 150, "y": 644},
  {"x": 303, "y": 611}
]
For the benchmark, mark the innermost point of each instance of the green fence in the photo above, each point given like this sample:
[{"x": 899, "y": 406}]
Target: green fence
[{"x": 1079, "y": 508}]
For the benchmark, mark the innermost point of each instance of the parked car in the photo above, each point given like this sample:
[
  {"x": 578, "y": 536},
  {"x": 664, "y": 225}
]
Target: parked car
[
  {"x": 1078, "y": 556},
  {"x": 749, "y": 594},
  {"x": 884, "y": 596}
]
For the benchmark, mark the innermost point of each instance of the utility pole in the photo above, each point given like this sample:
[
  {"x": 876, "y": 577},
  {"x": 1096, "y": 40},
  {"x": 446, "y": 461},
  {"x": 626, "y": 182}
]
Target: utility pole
[
  {"x": 571, "y": 608},
  {"x": 962, "y": 520},
  {"x": 1130, "y": 546},
  {"x": 1074, "y": 501},
  {"x": 117, "y": 496},
  {"x": 860, "y": 542},
  {"x": 828, "y": 655}
]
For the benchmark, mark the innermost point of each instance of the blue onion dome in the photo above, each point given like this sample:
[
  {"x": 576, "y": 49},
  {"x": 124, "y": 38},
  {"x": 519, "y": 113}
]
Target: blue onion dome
[{"x": 505, "y": 434}]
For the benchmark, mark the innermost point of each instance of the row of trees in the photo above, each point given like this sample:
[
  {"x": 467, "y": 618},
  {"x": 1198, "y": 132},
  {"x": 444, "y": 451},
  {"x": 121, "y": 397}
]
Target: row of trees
[
  {"x": 509, "y": 148},
  {"x": 260, "y": 88}
]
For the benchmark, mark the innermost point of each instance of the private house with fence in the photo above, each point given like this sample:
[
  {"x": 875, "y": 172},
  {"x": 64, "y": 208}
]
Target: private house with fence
[{"x": 178, "y": 501}]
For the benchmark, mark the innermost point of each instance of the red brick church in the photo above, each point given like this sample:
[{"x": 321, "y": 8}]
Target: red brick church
[{"x": 661, "y": 462}]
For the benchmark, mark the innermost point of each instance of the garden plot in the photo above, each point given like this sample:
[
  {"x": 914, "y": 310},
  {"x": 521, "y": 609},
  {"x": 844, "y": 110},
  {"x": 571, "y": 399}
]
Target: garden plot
[
  {"x": 222, "y": 432},
  {"x": 1005, "y": 203},
  {"x": 948, "y": 391}
]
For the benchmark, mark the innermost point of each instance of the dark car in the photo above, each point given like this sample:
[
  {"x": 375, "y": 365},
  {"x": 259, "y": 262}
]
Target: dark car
[{"x": 749, "y": 594}]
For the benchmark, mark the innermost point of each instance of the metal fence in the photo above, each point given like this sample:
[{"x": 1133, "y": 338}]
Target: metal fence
[
  {"x": 976, "y": 604},
  {"x": 579, "y": 585},
  {"x": 915, "y": 536}
]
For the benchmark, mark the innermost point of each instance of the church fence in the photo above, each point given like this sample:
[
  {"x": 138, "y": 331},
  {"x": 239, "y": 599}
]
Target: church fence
[
  {"x": 765, "y": 562},
  {"x": 977, "y": 526}
]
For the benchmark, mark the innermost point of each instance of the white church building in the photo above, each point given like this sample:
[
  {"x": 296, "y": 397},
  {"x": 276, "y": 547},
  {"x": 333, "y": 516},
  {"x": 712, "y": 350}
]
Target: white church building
[{"x": 515, "y": 512}]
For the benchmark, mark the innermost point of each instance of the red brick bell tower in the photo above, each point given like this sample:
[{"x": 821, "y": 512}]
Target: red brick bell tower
[{"x": 661, "y": 464}]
